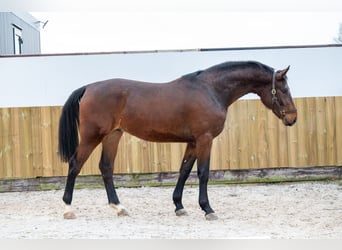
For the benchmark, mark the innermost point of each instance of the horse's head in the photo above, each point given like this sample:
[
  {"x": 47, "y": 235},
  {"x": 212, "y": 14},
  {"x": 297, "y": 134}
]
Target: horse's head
[{"x": 277, "y": 96}]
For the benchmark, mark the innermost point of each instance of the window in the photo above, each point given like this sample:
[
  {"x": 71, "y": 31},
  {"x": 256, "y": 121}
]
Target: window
[{"x": 18, "y": 40}]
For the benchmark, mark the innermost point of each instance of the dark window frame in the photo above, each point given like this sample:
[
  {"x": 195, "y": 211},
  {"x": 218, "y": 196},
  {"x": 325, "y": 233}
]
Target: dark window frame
[{"x": 17, "y": 40}]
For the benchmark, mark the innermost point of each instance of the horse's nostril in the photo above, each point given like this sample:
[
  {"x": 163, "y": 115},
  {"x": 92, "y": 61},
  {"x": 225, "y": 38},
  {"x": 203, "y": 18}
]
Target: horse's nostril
[{"x": 287, "y": 123}]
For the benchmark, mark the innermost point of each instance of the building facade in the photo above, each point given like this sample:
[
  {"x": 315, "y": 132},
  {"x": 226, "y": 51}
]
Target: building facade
[{"x": 19, "y": 34}]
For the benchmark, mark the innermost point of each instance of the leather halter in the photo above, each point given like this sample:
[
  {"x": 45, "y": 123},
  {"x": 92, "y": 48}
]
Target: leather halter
[{"x": 275, "y": 100}]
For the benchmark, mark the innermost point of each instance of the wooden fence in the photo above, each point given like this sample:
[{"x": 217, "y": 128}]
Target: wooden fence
[{"x": 253, "y": 138}]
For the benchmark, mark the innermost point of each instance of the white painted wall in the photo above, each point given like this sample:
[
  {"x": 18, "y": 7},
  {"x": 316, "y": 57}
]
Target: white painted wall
[{"x": 49, "y": 80}]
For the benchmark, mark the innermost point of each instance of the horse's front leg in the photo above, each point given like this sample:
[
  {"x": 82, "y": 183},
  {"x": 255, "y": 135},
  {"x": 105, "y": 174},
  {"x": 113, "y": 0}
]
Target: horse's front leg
[
  {"x": 203, "y": 148},
  {"x": 187, "y": 164}
]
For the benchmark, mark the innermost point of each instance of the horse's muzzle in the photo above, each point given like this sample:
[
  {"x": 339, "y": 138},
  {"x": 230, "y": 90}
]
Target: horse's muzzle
[{"x": 290, "y": 119}]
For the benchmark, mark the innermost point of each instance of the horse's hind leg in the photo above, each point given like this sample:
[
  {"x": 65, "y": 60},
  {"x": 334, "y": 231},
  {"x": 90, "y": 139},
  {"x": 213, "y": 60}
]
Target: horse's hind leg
[
  {"x": 109, "y": 149},
  {"x": 75, "y": 165},
  {"x": 187, "y": 164}
]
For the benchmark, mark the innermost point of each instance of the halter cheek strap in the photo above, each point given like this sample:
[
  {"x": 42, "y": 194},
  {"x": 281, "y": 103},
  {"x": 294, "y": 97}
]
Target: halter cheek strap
[
  {"x": 274, "y": 91},
  {"x": 275, "y": 100}
]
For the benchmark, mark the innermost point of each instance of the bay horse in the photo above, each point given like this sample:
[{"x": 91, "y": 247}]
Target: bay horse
[{"x": 191, "y": 109}]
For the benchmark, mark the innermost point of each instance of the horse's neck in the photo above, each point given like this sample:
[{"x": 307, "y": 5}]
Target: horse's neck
[{"x": 231, "y": 87}]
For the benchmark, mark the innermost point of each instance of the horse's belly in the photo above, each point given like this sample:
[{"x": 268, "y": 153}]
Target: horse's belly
[{"x": 159, "y": 135}]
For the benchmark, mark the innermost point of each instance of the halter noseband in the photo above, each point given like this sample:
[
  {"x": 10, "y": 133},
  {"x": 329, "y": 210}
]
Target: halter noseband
[{"x": 275, "y": 100}]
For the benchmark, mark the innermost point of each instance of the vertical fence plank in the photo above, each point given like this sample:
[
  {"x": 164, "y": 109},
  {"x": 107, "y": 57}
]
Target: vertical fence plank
[
  {"x": 46, "y": 141},
  {"x": 164, "y": 151},
  {"x": 311, "y": 130},
  {"x": 92, "y": 163},
  {"x": 282, "y": 145},
  {"x": 272, "y": 139},
  {"x": 232, "y": 127},
  {"x": 155, "y": 164},
  {"x": 123, "y": 165},
  {"x": 321, "y": 131},
  {"x": 259, "y": 137},
  {"x": 37, "y": 150},
  {"x": 177, "y": 152},
  {"x": 338, "y": 127},
  {"x": 252, "y": 126},
  {"x": 330, "y": 113},
  {"x": 220, "y": 161},
  {"x": 56, "y": 166},
  {"x": 7, "y": 140},
  {"x": 292, "y": 144},
  {"x": 145, "y": 156},
  {"x": 302, "y": 132},
  {"x": 26, "y": 154},
  {"x": 2, "y": 146},
  {"x": 120, "y": 157},
  {"x": 160, "y": 155},
  {"x": 135, "y": 155},
  {"x": 243, "y": 141},
  {"x": 6, "y": 145},
  {"x": 215, "y": 159},
  {"x": 17, "y": 160},
  {"x": 224, "y": 148}
]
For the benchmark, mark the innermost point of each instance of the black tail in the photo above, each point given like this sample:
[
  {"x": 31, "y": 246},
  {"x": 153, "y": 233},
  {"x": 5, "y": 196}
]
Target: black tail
[{"x": 68, "y": 125}]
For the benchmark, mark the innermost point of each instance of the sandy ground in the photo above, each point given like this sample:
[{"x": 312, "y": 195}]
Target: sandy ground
[{"x": 296, "y": 210}]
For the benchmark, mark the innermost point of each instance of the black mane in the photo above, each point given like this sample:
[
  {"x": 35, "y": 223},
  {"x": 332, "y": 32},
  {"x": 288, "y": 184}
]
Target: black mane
[
  {"x": 235, "y": 65},
  {"x": 193, "y": 75},
  {"x": 229, "y": 66}
]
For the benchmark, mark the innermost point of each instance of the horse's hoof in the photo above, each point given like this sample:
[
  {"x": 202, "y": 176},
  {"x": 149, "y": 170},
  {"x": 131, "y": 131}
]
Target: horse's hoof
[
  {"x": 211, "y": 216},
  {"x": 120, "y": 210},
  {"x": 181, "y": 212},
  {"x": 69, "y": 215}
]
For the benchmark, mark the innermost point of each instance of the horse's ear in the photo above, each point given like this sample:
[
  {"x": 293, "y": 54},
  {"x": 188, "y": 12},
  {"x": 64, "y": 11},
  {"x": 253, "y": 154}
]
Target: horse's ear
[{"x": 282, "y": 73}]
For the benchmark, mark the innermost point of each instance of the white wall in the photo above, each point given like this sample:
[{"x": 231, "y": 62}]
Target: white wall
[{"x": 49, "y": 80}]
